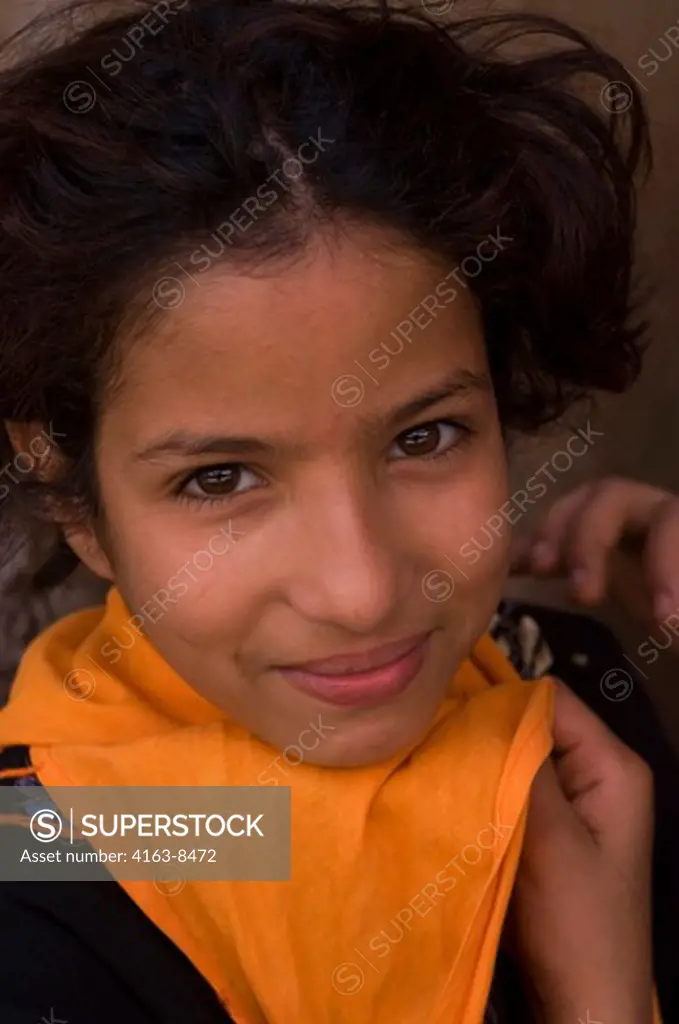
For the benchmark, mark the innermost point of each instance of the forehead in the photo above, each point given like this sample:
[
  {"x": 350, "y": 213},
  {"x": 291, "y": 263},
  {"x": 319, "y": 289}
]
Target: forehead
[{"x": 248, "y": 349}]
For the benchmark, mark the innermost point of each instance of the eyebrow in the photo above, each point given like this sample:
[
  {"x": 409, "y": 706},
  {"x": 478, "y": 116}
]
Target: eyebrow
[
  {"x": 461, "y": 383},
  {"x": 184, "y": 443}
]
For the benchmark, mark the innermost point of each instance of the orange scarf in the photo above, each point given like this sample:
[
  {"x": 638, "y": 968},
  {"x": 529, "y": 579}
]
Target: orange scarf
[{"x": 401, "y": 872}]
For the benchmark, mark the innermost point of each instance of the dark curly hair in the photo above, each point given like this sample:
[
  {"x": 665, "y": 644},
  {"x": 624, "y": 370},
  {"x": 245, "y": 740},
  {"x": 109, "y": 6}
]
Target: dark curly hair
[{"x": 126, "y": 139}]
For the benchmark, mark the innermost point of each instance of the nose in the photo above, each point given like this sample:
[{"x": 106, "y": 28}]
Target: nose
[{"x": 349, "y": 571}]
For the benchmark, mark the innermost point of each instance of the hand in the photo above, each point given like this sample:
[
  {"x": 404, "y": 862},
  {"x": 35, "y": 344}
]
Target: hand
[
  {"x": 616, "y": 536},
  {"x": 581, "y": 908}
]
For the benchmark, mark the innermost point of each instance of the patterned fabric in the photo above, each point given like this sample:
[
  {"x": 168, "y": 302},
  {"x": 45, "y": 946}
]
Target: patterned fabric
[{"x": 520, "y": 638}]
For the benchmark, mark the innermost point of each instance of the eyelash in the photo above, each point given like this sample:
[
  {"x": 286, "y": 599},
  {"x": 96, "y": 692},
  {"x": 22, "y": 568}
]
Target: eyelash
[{"x": 466, "y": 433}]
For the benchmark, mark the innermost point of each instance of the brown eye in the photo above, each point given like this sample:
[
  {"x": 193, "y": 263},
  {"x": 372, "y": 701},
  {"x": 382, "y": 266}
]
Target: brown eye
[
  {"x": 221, "y": 480},
  {"x": 428, "y": 440},
  {"x": 217, "y": 482}
]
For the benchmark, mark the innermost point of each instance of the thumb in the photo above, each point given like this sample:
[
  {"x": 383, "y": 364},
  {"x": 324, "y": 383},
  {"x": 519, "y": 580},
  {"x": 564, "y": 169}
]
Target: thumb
[
  {"x": 607, "y": 784},
  {"x": 587, "y": 751},
  {"x": 583, "y": 748}
]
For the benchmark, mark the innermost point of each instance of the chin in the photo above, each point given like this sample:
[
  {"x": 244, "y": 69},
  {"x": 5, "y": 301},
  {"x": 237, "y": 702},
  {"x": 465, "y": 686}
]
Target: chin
[{"x": 363, "y": 743}]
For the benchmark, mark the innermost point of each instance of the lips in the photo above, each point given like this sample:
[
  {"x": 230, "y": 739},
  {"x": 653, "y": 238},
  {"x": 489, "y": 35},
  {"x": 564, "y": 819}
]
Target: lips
[
  {"x": 365, "y": 661},
  {"x": 362, "y": 679}
]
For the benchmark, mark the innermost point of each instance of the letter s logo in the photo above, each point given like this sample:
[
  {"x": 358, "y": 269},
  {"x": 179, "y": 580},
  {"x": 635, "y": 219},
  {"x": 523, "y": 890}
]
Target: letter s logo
[{"x": 46, "y": 825}]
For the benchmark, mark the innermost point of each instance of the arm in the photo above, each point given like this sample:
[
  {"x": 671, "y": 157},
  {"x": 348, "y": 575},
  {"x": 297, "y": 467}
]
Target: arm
[{"x": 581, "y": 907}]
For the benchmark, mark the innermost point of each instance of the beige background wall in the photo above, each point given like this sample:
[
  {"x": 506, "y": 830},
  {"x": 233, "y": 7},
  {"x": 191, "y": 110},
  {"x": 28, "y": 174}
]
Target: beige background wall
[
  {"x": 641, "y": 429},
  {"x": 14, "y": 12}
]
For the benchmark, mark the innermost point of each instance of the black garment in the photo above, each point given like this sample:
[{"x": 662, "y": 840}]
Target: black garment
[{"x": 84, "y": 953}]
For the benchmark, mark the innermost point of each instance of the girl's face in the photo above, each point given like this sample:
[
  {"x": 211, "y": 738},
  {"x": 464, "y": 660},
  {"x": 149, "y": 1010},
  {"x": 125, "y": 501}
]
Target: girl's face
[{"x": 286, "y": 481}]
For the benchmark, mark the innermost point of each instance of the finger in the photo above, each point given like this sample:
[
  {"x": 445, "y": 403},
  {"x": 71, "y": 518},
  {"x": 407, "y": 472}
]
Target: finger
[
  {"x": 606, "y": 782},
  {"x": 521, "y": 555},
  {"x": 551, "y": 821},
  {"x": 548, "y": 807},
  {"x": 614, "y": 508},
  {"x": 543, "y": 551},
  {"x": 583, "y": 743},
  {"x": 661, "y": 558}
]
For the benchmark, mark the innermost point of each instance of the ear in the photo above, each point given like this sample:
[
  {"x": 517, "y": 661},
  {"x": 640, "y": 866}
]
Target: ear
[{"x": 35, "y": 444}]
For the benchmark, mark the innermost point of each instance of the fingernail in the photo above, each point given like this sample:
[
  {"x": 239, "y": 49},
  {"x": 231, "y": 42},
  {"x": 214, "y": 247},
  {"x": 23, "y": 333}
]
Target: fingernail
[
  {"x": 579, "y": 577},
  {"x": 664, "y": 604}
]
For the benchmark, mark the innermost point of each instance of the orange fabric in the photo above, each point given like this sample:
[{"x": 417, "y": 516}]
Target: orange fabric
[
  {"x": 401, "y": 871},
  {"x": 16, "y": 773}
]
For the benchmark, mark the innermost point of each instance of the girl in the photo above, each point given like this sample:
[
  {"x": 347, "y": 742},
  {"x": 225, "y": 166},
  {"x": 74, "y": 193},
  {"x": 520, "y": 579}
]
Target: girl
[{"x": 279, "y": 282}]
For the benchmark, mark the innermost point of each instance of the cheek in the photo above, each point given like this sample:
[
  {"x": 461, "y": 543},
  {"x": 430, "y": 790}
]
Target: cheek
[
  {"x": 464, "y": 525},
  {"x": 482, "y": 577},
  {"x": 468, "y": 543},
  {"x": 195, "y": 592},
  {"x": 209, "y": 609}
]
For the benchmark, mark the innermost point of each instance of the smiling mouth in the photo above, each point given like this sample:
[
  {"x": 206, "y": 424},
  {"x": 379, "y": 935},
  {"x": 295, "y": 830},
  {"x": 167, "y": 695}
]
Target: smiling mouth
[{"x": 361, "y": 679}]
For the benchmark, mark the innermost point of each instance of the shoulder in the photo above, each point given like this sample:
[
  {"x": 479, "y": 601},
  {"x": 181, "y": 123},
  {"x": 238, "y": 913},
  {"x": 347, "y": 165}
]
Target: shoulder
[
  {"x": 66, "y": 947},
  {"x": 67, "y": 957}
]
